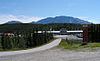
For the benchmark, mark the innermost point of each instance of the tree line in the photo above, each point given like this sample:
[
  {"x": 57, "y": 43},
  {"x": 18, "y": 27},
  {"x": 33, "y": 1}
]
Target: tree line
[
  {"x": 94, "y": 33},
  {"x": 41, "y": 27},
  {"x": 23, "y": 40}
]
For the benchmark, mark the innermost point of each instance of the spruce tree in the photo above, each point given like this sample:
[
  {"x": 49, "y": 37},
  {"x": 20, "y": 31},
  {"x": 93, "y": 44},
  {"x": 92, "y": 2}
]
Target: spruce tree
[
  {"x": 6, "y": 42},
  {"x": 22, "y": 43}
]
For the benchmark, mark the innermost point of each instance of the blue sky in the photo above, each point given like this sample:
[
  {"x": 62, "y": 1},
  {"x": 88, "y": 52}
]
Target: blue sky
[{"x": 33, "y": 10}]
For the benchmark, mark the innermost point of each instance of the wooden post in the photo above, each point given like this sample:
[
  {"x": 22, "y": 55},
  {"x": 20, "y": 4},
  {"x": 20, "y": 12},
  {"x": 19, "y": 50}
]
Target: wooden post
[{"x": 85, "y": 33}]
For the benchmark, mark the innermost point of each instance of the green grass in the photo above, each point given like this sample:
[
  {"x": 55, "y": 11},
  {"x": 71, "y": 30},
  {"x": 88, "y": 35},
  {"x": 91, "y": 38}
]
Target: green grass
[
  {"x": 92, "y": 46},
  {"x": 74, "y": 45},
  {"x": 16, "y": 49},
  {"x": 67, "y": 45}
]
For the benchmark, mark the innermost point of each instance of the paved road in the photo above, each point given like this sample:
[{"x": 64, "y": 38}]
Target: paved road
[
  {"x": 54, "y": 54},
  {"x": 45, "y": 47}
]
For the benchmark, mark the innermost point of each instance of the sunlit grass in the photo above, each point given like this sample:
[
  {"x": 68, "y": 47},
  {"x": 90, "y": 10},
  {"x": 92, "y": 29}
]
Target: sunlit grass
[{"x": 74, "y": 45}]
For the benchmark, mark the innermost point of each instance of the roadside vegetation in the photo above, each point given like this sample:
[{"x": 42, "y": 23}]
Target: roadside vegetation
[
  {"x": 75, "y": 45},
  {"x": 24, "y": 40},
  {"x": 16, "y": 49},
  {"x": 93, "y": 40}
]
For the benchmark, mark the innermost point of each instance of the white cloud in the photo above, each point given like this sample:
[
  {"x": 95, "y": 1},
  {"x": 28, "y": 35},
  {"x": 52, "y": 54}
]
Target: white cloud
[
  {"x": 22, "y": 18},
  {"x": 90, "y": 21}
]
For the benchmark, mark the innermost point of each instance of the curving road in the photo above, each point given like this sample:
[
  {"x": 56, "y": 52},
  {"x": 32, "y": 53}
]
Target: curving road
[{"x": 50, "y": 53}]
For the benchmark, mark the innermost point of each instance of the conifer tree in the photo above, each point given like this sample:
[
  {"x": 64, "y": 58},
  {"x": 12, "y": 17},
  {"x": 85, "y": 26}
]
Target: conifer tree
[
  {"x": 6, "y": 42},
  {"x": 22, "y": 43}
]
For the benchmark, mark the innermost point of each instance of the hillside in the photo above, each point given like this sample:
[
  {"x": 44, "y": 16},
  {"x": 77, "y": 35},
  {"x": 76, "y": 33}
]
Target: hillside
[
  {"x": 57, "y": 19},
  {"x": 12, "y": 22},
  {"x": 62, "y": 19}
]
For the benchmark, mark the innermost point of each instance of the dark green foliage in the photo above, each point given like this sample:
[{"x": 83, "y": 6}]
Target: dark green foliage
[
  {"x": 58, "y": 26},
  {"x": 0, "y": 43},
  {"x": 26, "y": 40},
  {"x": 22, "y": 43},
  {"x": 29, "y": 36},
  {"x": 15, "y": 42},
  {"x": 30, "y": 41},
  {"x": 94, "y": 33},
  {"x": 11, "y": 28},
  {"x": 28, "y": 27},
  {"x": 6, "y": 42}
]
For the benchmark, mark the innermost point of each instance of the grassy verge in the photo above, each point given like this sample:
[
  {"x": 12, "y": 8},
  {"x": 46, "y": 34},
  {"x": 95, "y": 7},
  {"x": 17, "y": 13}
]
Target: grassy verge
[
  {"x": 27, "y": 48},
  {"x": 67, "y": 45},
  {"x": 76, "y": 45}
]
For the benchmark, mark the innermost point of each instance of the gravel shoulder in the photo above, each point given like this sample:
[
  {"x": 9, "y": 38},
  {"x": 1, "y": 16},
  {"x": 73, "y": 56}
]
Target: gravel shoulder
[{"x": 54, "y": 54}]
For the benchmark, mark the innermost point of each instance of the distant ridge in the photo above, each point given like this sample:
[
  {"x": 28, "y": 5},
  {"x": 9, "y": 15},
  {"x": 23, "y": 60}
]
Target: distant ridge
[
  {"x": 32, "y": 22},
  {"x": 57, "y": 19},
  {"x": 63, "y": 19},
  {"x": 13, "y": 22}
]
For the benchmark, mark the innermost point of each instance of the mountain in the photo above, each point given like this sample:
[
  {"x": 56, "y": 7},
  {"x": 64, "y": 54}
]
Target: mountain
[
  {"x": 32, "y": 22},
  {"x": 63, "y": 19},
  {"x": 12, "y": 22},
  {"x": 57, "y": 19}
]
